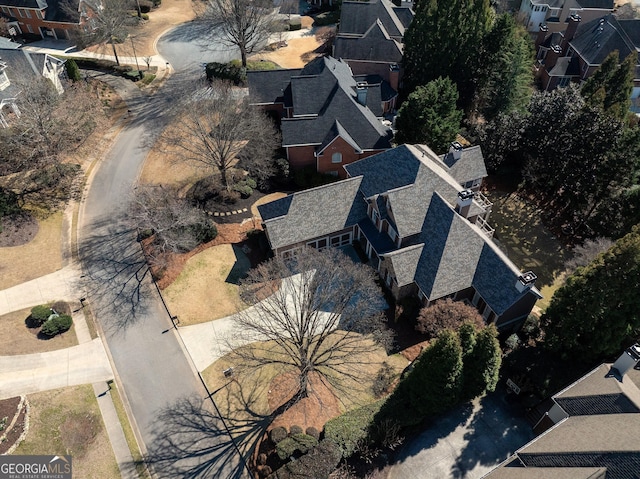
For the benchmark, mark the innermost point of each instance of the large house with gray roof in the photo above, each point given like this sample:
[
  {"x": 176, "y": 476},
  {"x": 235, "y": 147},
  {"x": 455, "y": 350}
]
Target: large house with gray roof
[
  {"x": 370, "y": 37},
  {"x": 421, "y": 222},
  {"x": 592, "y": 431},
  {"x": 575, "y": 54},
  {"x": 554, "y": 14},
  {"x": 18, "y": 66},
  {"x": 329, "y": 117}
]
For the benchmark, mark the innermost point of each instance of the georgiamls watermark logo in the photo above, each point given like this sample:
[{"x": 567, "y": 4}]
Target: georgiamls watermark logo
[{"x": 35, "y": 467}]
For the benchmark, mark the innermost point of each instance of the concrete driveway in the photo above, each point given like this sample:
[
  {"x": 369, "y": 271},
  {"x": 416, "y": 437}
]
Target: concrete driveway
[{"x": 465, "y": 444}]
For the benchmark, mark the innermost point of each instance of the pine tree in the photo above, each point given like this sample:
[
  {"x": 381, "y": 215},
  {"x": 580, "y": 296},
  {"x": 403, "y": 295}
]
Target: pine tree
[
  {"x": 482, "y": 364},
  {"x": 430, "y": 116},
  {"x": 597, "y": 312},
  {"x": 444, "y": 40}
]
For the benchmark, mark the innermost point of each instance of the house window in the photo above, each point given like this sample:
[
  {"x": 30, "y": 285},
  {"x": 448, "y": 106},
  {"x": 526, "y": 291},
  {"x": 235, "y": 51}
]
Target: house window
[
  {"x": 318, "y": 244},
  {"x": 392, "y": 234},
  {"x": 584, "y": 67},
  {"x": 39, "y": 14},
  {"x": 375, "y": 217},
  {"x": 29, "y": 28},
  {"x": 28, "y": 13},
  {"x": 21, "y": 13},
  {"x": 340, "y": 240},
  {"x": 336, "y": 158},
  {"x": 291, "y": 253},
  {"x": 564, "y": 81}
]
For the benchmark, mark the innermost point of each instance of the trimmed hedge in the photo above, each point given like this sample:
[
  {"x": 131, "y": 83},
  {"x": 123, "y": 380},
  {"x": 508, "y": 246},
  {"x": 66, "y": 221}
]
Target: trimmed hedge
[
  {"x": 57, "y": 325},
  {"x": 278, "y": 434},
  {"x": 72, "y": 70},
  {"x": 40, "y": 313},
  {"x": 295, "y": 430},
  {"x": 346, "y": 430},
  {"x": 317, "y": 464},
  {"x": 295, "y": 444},
  {"x": 326, "y": 18},
  {"x": 226, "y": 71}
]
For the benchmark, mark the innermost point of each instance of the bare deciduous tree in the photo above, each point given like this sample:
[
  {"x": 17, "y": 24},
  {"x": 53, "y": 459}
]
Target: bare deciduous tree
[
  {"x": 246, "y": 24},
  {"x": 586, "y": 252},
  {"x": 316, "y": 315},
  {"x": 221, "y": 130},
  {"x": 176, "y": 225},
  {"x": 447, "y": 315}
]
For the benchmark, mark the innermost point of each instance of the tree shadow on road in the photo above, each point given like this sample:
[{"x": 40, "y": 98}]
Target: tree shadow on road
[{"x": 116, "y": 278}]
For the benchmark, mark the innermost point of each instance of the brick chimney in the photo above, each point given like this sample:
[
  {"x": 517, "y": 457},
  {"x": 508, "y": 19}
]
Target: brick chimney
[
  {"x": 526, "y": 281},
  {"x": 394, "y": 76},
  {"x": 465, "y": 198},
  {"x": 361, "y": 92},
  {"x": 551, "y": 59},
  {"x": 542, "y": 34},
  {"x": 629, "y": 359},
  {"x": 570, "y": 32}
]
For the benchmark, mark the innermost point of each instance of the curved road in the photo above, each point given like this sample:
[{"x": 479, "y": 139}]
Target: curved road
[{"x": 183, "y": 436}]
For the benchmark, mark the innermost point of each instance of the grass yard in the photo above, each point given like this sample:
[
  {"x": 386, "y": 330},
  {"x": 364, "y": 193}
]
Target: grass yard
[
  {"x": 207, "y": 288},
  {"x": 42, "y": 255},
  {"x": 68, "y": 421},
  {"x": 16, "y": 338},
  {"x": 519, "y": 230},
  {"x": 162, "y": 168}
]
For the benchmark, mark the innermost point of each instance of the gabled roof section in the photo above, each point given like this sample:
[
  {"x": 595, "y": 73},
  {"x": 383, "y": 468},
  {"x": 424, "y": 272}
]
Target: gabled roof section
[
  {"x": 469, "y": 166},
  {"x": 314, "y": 212},
  {"x": 271, "y": 86},
  {"x": 6, "y": 44},
  {"x": 336, "y": 131},
  {"x": 22, "y": 66},
  {"x": 596, "y": 39},
  {"x": 405, "y": 263},
  {"x": 566, "y": 66},
  {"x": 66, "y": 11},
  {"x": 375, "y": 45},
  {"x": 357, "y": 17}
]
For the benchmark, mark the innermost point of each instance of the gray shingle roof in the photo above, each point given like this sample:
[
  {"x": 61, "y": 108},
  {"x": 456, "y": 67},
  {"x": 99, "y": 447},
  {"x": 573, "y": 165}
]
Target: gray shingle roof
[
  {"x": 405, "y": 263},
  {"x": 374, "y": 45},
  {"x": 597, "y": 404},
  {"x": 24, "y": 3},
  {"x": 271, "y": 86},
  {"x": 22, "y": 66},
  {"x": 6, "y": 44},
  {"x": 336, "y": 131},
  {"x": 566, "y": 66},
  {"x": 357, "y": 17},
  {"x": 469, "y": 167},
  {"x": 312, "y": 213},
  {"x": 619, "y": 465},
  {"x": 594, "y": 40}
]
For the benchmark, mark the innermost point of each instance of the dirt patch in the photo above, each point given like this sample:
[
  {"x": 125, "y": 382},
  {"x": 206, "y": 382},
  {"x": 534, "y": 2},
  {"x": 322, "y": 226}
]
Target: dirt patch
[
  {"x": 16, "y": 337},
  {"x": 412, "y": 352},
  {"x": 51, "y": 431},
  {"x": 299, "y": 51},
  {"x": 12, "y": 422},
  {"x": 18, "y": 230},
  {"x": 312, "y": 411}
]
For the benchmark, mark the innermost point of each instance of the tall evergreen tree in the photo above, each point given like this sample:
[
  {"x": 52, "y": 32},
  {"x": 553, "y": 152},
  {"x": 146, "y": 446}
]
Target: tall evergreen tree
[
  {"x": 506, "y": 78},
  {"x": 609, "y": 88},
  {"x": 482, "y": 364},
  {"x": 597, "y": 312},
  {"x": 430, "y": 116},
  {"x": 444, "y": 40}
]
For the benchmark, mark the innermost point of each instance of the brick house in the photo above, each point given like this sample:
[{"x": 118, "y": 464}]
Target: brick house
[
  {"x": 555, "y": 13},
  {"x": 16, "y": 66},
  {"x": 329, "y": 117},
  {"x": 370, "y": 38},
  {"x": 51, "y": 19},
  {"x": 575, "y": 54},
  {"x": 421, "y": 223},
  {"x": 590, "y": 430}
]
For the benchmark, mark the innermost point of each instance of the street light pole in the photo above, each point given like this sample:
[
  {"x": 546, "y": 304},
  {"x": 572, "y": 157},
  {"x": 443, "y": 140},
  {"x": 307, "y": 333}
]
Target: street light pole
[{"x": 135, "y": 56}]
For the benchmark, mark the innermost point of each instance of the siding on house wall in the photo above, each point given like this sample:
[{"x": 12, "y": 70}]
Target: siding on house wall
[{"x": 520, "y": 309}]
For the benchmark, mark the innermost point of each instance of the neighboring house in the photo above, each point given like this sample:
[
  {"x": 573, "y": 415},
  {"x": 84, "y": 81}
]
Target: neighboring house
[
  {"x": 409, "y": 212},
  {"x": 329, "y": 117},
  {"x": 20, "y": 66},
  {"x": 575, "y": 54},
  {"x": 555, "y": 13},
  {"x": 591, "y": 432},
  {"x": 370, "y": 38},
  {"x": 51, "y": 19}
]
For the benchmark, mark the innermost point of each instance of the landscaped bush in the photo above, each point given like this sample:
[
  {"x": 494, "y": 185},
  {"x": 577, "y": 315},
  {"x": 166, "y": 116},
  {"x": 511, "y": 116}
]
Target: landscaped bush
[
  {"x": 294, "y": 430},
  {"x": 245, "y": 187},
  {"x": 8, "y": 203},
  {"x": 122, "y": 68},
  {"x": 133, "y": 75},
  {"x": 327, "y": 18},
  {"x": 383, "y": 380},
  {"x": 144, "y": 16},
  {"x": 145, "y": 5},
  {"x": 156, "y": 3},
  {"x": 94, "y": 63},
  {"x": 56, "y": 325},
  {"x": 313, "y": 432},
  {"x": 352, "y": 427},
  {"x": 296, "y": 444},
  {"x": 295, "y": 24},
  {"x": 72, "y": 70},
  {"x": 278, "y": 434},
  {"x": 226, "y": 71},
  {"x": 446, "y": 315},
  {"x": 40, "y": 313},
  {"x": 205, "y": 232},
  {"x": 317, "y": 464}
]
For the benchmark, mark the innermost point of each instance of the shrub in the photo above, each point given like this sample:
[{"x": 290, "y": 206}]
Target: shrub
[
  {"x": 245, "y": 187},
  {"x": 447, "y": 314},
  {"x": 351, "y": 427},
  {"x": 226, "y": 71},
  {"x": 327, "y": 18},
  {"x": 94, "y": 63},
  {"x": 295, "y": 24},
  {"x": 144, "y": 16},
  {"x": 383, "y": 381},
  {"x": 278, "y": 434},
  {"x": 156, "y": 3},
  {"x": 39, "y": 314},
  {"x": 313, "y": 432},
  {"x": 317, "y": 464},
  {"x": 72, "y": 70},
  {"x": 8, "y": 203},
  {"x": 56, "y": 325},
  {"x": 512, "y": 342},
  {"x": 296, "y": 444},
  {"x": 145, "y": 5},
  {"x": 295, "y": 430},
  {"x": 205, "y": 232},
  {"x": 122, "y": 68}
]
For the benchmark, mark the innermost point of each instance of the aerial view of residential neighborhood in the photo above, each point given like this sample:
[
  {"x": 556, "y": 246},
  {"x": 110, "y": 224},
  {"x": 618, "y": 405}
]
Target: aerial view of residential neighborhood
[{"x": 320, "y": 239}]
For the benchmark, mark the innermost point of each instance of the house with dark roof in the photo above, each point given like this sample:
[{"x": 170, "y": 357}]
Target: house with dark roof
[
  {"x": 370, "y": 37},
  {"x": 329, "y": 117},
  {"x": 421, "y": 222},
  {"x": 50, "y": 19},
  {"x": 592, "y": 431},
  {"x": 555, "y": 13},
  {"x": 575, "y": 54},
  {"x": 18, "y": 66}
]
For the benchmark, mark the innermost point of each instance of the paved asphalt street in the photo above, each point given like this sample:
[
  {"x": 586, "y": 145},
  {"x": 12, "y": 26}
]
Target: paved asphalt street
[{"x": 183, "y": 436}]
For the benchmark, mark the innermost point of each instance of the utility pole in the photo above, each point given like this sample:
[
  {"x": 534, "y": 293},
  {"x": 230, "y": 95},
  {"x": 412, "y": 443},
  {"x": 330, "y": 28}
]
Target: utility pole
[{"x": 136, "y": 57}]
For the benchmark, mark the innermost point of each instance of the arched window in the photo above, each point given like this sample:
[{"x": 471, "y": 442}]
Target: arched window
[{"x": 336, "y": 158}]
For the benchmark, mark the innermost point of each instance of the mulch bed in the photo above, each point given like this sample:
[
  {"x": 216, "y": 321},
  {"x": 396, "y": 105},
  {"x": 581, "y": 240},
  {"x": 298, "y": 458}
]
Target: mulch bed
[
  {"x": 18, "y": 229},
  {"x": 8, "y": 408},
  {"x": 237, "y": 207}
]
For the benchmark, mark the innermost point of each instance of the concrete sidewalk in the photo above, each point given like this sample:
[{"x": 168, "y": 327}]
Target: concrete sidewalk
[
  {"x": 30, "y": 373},
  {"x": 61, "y": 285}
]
